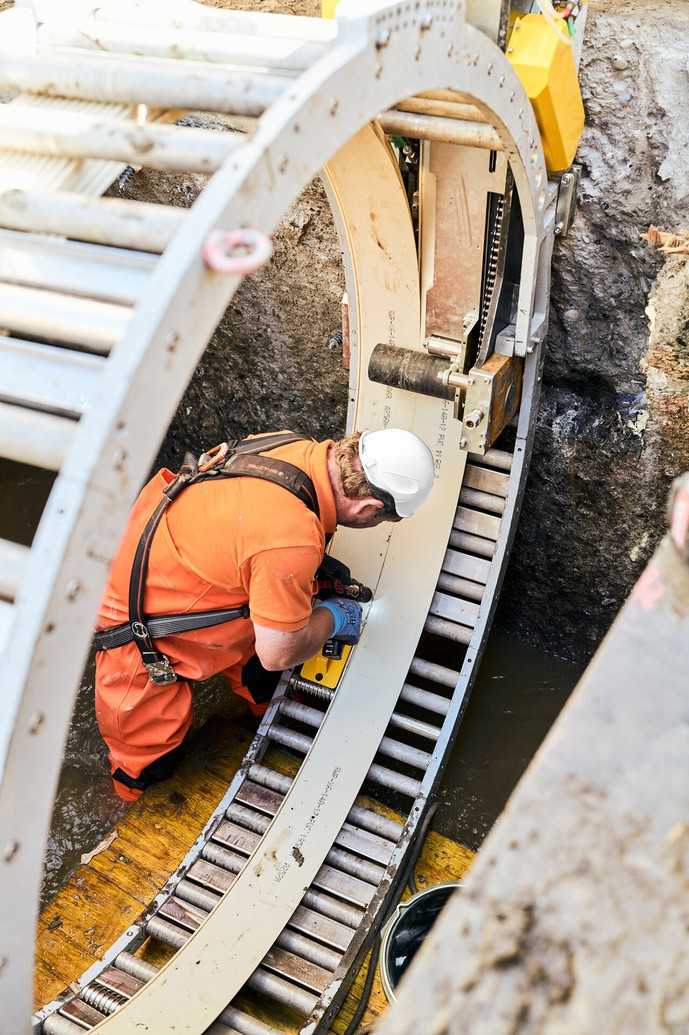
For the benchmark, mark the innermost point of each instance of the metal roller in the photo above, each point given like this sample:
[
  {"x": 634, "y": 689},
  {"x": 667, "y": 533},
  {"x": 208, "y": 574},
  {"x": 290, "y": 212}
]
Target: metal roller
[
  {"x": 444, "y": 130},
  {"x": 482, "y": 501},
  {"x": 237, "y": 1019},
  {"x": 500, "y": 459},
  {"x": 63, "y": 318},
  {"x": 289, "y": 738},
  {"x": 364, "y": 843},
  {"x": 415, "y": 371},
  {"x": 472, "y": 544},
  {"x": 103, "y": 999},
  {"x": 168, "y": 148},
  {"x": 436, "y": 673},
  {"x": 397, "y": 720},
  {"x": 461, "y": 587},
  {"x": 425, "y": 699},
  {"x": 293, "y": 941},
  {"x": 137, "y": 968},
  {"x": 448, "y": 630},
  {"x": 116, "y": 275},
  {"x": 155, "y": 82},
  {"x": 366, "y": 818},
  {"x": 136, "y": 225},
  {"x": 270, "y": 984}
]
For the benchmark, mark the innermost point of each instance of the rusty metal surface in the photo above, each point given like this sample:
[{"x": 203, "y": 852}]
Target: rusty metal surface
[
  {"x": 495, "y": 393},
  {"x": 455, "y": 182}
]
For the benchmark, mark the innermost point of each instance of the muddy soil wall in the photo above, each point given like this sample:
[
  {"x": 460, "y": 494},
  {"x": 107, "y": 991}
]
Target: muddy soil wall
[{"x": 613, "y": 425}]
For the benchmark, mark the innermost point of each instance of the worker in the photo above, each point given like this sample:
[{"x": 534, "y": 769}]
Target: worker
[{"x": 215, "y": 573}]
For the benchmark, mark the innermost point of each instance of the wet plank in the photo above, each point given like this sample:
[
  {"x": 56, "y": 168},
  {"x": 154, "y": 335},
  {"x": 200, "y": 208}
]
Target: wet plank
[{"x": 101, "y": 899}]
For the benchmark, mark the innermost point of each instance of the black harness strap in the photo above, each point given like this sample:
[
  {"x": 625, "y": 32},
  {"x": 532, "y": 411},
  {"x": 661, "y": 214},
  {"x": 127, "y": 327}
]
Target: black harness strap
[
  {"x": 240, "y": 460},
  {"x": 270, "y": 469}
]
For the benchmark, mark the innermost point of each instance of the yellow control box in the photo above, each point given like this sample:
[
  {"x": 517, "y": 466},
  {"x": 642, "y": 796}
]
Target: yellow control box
[
  {"x": 326, "y": 671},
  {"x": 547, "y": 70}
]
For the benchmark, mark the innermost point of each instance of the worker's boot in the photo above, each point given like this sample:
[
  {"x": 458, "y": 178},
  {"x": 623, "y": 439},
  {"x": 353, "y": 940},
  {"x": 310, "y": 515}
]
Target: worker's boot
[
  {"x": 129, "y": 788},
  {"x": 261, "y": 685}
]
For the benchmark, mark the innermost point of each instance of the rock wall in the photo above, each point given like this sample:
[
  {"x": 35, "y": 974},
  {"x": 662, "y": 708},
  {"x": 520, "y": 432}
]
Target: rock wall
[
  {"x": 275, "y": 360},
  {"x": 613, "y": 425},
  {"x": 612, "y": 430}
]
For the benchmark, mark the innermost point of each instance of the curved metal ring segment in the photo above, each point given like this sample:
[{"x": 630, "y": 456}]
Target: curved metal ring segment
[{"x": 319, "y": 118}]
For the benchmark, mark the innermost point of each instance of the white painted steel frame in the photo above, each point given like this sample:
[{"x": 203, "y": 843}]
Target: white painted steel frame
[{"x": 106, "y": 464}]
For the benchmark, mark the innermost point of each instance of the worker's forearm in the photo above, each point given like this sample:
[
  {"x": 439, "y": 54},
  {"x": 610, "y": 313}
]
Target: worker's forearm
[
  {"x": 311, "y": 638},
  {"x": 277, "y": 650}
]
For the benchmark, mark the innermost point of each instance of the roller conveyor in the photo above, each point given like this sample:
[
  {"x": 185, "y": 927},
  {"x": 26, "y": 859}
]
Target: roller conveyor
[{"x": 98, "y": 296}]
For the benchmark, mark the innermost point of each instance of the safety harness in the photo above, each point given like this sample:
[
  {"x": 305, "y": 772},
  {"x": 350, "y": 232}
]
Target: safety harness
[{"x": 238, "y": 459}]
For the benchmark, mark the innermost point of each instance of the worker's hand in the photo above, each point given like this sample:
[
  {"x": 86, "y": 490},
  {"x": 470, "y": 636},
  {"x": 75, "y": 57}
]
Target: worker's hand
[
  {"x": 333, "y": 569},
  {"x": 346, "y": 616},
  {"x": 335, "y": 580}
]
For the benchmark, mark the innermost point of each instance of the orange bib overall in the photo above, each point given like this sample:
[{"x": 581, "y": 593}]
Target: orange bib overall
[{"x": 219, "y": 545}]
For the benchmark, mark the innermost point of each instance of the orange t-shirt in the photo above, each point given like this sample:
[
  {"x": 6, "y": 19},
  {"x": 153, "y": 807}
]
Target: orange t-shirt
[{"x": 222, "y": 543}]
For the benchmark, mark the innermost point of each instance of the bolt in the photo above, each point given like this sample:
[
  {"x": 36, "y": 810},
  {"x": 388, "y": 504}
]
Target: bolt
[
  {"x": 510, "y": 50},
  {"x": 426, "y": 22},
  {"x": 383, "y": 38},
  {"x": 72, "y": 589},
  {"x": 559, "y": 227},
  {"x": 463, "y": 443},
  {"x": 283, "y": 163},
  {"x": 450, "y": 50},
  {"x": 10, "y": 850},
  {"x": 119, "y": 458},
  {"x": 417, "y": 54},
  {"x": 678, "y": 515},
  {"x": 35, "y": 722},
  {"x": 172, "y": 342},
  {"x": 530, "y": 347},
  {"x": 567, "y": 178},
  {"x": 334, "y": 105},
  {"x": 501, "y": 81},
  {"x": 379, "y": 71}
]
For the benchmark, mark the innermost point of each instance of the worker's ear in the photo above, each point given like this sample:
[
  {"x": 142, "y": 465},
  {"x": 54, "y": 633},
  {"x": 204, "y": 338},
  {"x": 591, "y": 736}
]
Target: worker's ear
[{"x": 367, "y": 507}]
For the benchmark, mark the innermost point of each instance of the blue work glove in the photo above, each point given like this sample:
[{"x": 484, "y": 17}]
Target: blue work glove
[{"x": 347, "y": 618}]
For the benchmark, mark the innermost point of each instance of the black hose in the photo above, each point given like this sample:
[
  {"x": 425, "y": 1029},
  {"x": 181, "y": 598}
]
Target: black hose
[{"x": 410, "y": 880}]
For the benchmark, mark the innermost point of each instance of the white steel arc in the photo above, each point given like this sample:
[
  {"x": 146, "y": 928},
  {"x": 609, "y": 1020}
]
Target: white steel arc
[{"x": 376, "y": 59}]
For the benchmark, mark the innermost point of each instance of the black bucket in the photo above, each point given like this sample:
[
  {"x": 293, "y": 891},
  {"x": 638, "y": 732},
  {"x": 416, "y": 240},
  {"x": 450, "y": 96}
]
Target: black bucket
[{"x": 406, "y": 931}]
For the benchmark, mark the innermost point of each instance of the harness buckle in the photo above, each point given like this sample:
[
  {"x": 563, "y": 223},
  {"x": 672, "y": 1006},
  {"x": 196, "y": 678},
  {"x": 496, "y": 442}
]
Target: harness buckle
[
  {"x": 213, "y": 457},
  {"x": 161, "y": 671}
]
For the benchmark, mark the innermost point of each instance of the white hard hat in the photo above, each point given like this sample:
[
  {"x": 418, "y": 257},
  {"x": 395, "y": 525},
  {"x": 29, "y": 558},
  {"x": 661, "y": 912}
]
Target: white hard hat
[{"x": 401, "y": 464}]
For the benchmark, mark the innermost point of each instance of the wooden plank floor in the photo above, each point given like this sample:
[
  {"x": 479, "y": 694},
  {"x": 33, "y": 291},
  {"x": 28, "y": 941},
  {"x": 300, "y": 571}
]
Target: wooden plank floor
[{"x": 102, "y": 898}]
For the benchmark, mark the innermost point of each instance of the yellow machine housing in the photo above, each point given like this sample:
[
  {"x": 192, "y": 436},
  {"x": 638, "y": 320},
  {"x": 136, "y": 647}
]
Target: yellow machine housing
[
  {"x": 326, "y": 671},
  {"x": 547, "y": 70}
]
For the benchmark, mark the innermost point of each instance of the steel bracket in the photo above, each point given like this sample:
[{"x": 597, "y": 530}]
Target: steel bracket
[
  {"x": 491, "y": 401},
  {"x": 566, "y": 206}
]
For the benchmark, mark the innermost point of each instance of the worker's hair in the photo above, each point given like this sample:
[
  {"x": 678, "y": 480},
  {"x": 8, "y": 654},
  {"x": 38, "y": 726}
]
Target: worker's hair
[{"x": 354, "y": 482}]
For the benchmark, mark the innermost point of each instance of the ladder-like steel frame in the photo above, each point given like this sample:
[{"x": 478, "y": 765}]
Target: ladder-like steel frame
[{"x": 313, "y": 87}]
